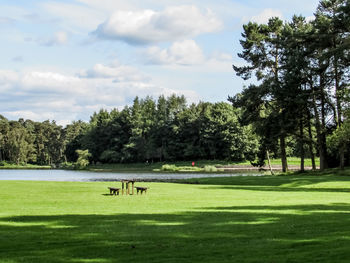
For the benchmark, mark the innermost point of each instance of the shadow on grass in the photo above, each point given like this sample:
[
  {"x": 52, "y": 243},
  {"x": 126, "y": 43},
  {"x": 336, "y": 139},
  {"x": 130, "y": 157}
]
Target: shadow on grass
[
  {"x": 283, "y": 189},
  {"x": 288, "y": 183},
  {"x": 310, "y": 233},
  {"x": 295, "y": 180}
]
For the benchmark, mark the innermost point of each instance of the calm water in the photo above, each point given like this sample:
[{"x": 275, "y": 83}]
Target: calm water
[{"x": 83, "y": 176}]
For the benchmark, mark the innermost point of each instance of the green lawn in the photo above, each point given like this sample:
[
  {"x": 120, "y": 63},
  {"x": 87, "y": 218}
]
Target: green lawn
[
  {"x": 4, "y": 165},
  {"x": 303, "y": 218}
]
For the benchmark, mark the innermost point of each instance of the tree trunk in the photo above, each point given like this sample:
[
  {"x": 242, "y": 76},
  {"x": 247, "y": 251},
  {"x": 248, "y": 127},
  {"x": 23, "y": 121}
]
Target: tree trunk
[
  {"x": 283, "y": 153},
  {"x": 320, "y": 127},
  {"x": 342, "y": 156},
  {"x": 312, "y": 155},
  {"x": 339, "y": 99},
  {"x": 338, "y": 89},
  {"x": 269, "y": 161},
  {"x": 302, "y": 151},
  {"x": 323, "y": 145}
]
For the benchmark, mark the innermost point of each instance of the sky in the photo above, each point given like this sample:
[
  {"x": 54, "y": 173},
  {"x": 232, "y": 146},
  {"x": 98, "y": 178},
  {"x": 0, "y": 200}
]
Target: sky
[{"x": 64, "y": 60}]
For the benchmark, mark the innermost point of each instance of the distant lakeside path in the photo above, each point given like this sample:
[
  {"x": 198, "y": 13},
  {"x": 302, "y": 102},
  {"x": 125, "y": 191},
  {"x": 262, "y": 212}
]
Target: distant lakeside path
[{"x": 231, "y": 168}]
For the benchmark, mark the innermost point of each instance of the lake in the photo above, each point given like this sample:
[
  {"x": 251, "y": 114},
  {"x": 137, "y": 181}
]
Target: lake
[{"x": 85, "y": 176}]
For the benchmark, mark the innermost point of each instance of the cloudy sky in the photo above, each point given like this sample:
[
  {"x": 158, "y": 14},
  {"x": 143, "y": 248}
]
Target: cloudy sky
[{"x": 63, "y": 60}]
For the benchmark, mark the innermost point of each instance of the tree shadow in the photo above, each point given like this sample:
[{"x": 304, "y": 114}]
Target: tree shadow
[
  {"x": 274, "y": 183},
  {"x": 303, "y": 233},
  {"x": 282, "y": 189},
  {"x": 267, "y": 180}
]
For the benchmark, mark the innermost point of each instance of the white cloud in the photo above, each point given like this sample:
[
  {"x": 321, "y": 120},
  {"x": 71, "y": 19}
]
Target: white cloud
[
  {"x": 41, "y": 95},
  {"x": 58, "y": 39},
  {"x": 74, "y": 16},
  {"x": 185, "y": 52},
  {"x": 148, "y": 26},
  {"x": 187, "y": 55},
  {"x": 28, "y": 114},
  {"x": 265, "y": 15},
  {"x": 7, "y": 78},
  {"x": 310, "y": 18},
  {"x": 120, "y": 73}
]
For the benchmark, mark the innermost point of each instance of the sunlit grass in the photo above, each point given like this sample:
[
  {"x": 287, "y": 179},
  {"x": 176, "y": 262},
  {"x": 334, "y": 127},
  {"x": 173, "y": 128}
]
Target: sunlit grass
[
  {"x": 5, "y": 165},
  {"x": 303, "y": 218}
]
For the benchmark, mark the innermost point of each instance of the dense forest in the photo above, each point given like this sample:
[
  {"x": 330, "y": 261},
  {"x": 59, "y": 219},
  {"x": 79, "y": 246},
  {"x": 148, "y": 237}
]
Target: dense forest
[
  {"x": 149, "y": 130},
  {"x": 297, "y": 104}
]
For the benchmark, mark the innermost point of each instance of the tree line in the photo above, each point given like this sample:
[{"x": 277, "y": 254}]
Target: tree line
[
  {"x": 149, "y": 130},
  {"x": 301, "y": 77}
]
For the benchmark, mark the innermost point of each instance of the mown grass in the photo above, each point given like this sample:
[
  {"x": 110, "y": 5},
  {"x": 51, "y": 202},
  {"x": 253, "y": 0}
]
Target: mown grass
[
  {"x": 5, "y": 165},
  {"x": 300, "y": 218}
]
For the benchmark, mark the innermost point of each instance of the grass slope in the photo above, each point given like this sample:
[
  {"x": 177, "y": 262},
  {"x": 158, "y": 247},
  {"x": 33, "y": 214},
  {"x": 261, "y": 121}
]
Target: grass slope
[{"x": 302, "y": 218}]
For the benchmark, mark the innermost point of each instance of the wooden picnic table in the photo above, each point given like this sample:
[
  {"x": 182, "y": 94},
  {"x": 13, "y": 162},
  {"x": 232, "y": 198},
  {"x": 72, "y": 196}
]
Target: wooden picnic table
[{"x": 127, "y": 186}]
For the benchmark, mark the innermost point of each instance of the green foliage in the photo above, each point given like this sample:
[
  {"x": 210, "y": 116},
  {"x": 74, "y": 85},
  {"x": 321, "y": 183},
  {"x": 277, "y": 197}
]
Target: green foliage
[
  {"x": 7, "y": 165},
  {"x": 169, "y": 168},
  {"x": 210, "y": 168},
  {"x": 296, "y": 107},
  {"x": 167, "y": 130},
  {"x": 174, "y": 168},
  {"x": 83, "y": 159},
  {"x": 302, "y": 71},
  {"x": 67, "y": 165}
]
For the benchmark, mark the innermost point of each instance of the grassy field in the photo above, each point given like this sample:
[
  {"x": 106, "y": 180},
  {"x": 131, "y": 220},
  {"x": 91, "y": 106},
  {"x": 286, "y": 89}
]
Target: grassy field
[{"x": 300, "y": 218}]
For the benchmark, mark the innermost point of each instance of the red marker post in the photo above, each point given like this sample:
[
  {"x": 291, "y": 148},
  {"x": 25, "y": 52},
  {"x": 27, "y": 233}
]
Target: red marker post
[{"x": 193, "y": 164}]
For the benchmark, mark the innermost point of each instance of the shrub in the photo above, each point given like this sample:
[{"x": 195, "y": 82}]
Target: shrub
[
  {"x": 210, "y": 168},
  {"x": 83, "y": 159},
  {"x": 169, "y": 168},
  {"x": 67, "y": 165}
]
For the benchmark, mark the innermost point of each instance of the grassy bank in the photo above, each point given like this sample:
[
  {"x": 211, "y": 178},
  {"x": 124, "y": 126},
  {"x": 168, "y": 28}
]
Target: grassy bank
[
  {"x": 237, "y": 219},
  {"x": 4, "y": 165},
  {"x": 184, "y": 166}
]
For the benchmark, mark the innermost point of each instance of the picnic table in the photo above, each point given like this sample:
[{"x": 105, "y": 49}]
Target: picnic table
[{"x": 127, "y": 186}]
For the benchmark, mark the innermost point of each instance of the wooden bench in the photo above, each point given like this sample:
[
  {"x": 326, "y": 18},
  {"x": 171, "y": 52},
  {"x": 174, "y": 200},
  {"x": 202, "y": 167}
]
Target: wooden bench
[
  {"x": 113, "y": 191},
  {"x": 141, "y": 189}
]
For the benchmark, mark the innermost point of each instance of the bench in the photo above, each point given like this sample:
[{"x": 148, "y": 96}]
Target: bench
[
  {"x": 113, "y": 190},
  {"x": 141, "y": 189}
]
